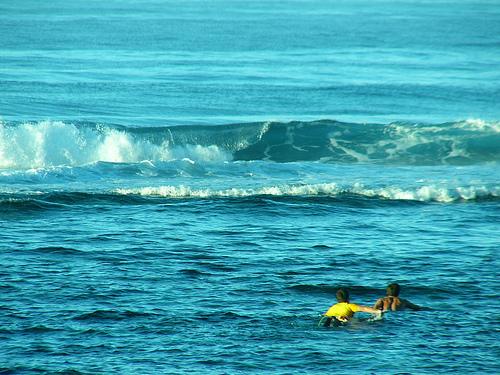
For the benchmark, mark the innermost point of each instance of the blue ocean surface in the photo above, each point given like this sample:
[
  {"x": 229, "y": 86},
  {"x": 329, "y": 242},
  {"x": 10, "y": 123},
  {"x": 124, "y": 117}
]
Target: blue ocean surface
[{"x": 184, "y": 185}]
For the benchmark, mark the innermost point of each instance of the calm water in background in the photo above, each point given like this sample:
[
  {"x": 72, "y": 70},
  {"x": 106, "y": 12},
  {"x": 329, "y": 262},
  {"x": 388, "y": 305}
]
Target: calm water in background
[{"x": 184, "y": 185}]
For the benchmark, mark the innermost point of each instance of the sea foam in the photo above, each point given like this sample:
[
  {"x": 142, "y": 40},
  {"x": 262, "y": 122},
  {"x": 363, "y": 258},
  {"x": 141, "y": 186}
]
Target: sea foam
[
  {"x": 429, "y": 193},
  {"x": 56, "y": 143}
]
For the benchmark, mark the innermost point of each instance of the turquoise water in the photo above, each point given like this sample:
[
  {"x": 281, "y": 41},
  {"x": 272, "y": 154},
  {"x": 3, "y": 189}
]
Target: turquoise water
[{"x": 185, "y": 185}]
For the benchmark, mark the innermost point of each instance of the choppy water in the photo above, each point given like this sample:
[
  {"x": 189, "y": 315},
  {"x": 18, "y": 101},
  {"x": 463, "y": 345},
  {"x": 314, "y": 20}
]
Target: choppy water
[{"x": 184, "y": 185}]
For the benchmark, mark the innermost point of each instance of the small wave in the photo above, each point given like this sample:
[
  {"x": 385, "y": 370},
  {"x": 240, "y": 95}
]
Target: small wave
[
  {"x": 16, "y": 370},
  {"x": 221, "y": 316},
  {"x": 292, "y": 194},
  {"x": 16, "y": 203},
  {"x": 332, "y": 289},
  {"x": 40, "y": 329},
  {"x": 26, "y": 204},
  {"x": 421, "y": 194},
  {"x": 47, "y": 144},
  {"x": 192, "y": 273},
  {"x": 111, "y": 315},
  {"x": 59, "y": 250},
  {"x": 321, "y": 247}
]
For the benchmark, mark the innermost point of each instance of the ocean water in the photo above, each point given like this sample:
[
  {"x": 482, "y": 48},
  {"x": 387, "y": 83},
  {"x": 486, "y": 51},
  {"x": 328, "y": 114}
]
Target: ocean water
[{"x": 185, "y": 184}]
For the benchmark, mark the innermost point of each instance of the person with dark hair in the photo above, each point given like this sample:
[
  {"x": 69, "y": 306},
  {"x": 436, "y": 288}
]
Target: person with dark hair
[
  {"x": 392, "y": 302},
  {"x": 343, "y": 310}
]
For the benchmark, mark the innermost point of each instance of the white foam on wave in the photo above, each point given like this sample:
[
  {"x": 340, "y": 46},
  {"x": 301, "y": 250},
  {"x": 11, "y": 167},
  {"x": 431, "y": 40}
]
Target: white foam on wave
[
  {"x": 451, "y": 143},
  {"x": 182, "y": 191},
  {"x": 479, "y": 124},
  {"x": 359, "y": 157},
  {"x": 422, "y": 194},
  {"x": 406, "y": 138},
  {"x": 55, "y": 143},
  {"x": 429, "y": 193}
]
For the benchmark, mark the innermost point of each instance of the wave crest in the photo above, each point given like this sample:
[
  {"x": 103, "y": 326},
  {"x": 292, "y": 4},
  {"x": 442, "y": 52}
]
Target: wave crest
[
  {"x": 420, "y": 194},
  {"x": 56, "y": 143}
]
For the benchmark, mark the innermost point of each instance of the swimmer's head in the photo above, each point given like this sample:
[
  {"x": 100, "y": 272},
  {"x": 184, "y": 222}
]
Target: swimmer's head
[
  {"x": 342, "y": 295},
  {"x": 393, "y": 290}
]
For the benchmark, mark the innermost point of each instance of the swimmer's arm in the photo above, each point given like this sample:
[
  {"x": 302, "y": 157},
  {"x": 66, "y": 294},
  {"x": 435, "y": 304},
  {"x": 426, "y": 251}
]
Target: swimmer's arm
[{"x": 370, "y": 310}]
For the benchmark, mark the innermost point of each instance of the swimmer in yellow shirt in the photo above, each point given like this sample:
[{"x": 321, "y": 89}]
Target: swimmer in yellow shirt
[
  {"x": 392, "y": 302},
  {"x": 343, "y": 311}
]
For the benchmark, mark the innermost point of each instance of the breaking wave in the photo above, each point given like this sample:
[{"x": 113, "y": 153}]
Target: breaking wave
[
  {"x": 326, "y": 193},
  {"x": 56, "y": 143},
  {"x": 48, "y": 144},
  {"x": 421, "y": 194}
]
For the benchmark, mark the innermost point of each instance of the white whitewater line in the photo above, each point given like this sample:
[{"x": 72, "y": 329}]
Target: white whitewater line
[
  {"x": 182, "y": 191},
  {"x": 422, "y": 194}
]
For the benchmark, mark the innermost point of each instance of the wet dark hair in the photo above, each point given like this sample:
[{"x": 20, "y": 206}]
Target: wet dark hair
[
  {"x": 342, "y": 295},
  {"x": 393, "y": 289}
]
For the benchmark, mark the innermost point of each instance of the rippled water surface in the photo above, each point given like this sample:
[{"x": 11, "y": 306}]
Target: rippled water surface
[{"x": 185, "y": 185}]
